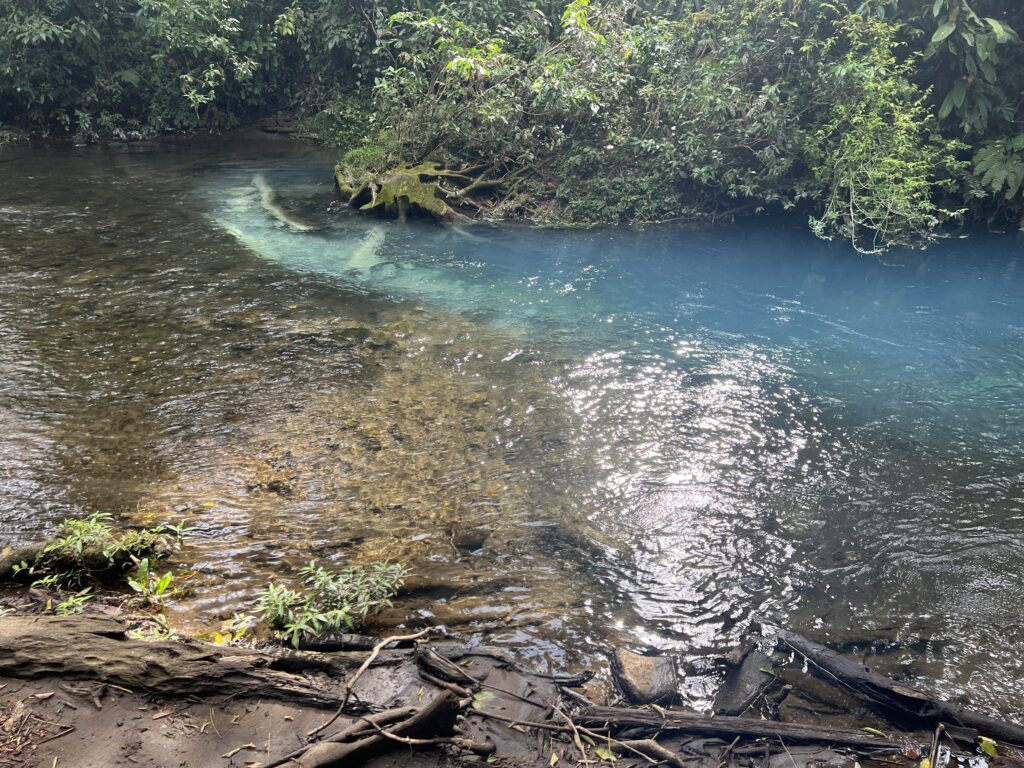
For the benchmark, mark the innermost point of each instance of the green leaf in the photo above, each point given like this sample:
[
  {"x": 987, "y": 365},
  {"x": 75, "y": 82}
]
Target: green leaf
[
  {"x": 937, "y": 7},
  {"x": 959, "y": 93},
  {"x": 947, "y": 107},
  {"x": 605, "y": 754},
  {"x": 165, "y": 581},
  {"x": 988, "y": 746},
  {"x": 944, "y": 31},
  {"x": 997, "y": 28},
  {"x": 480, "y": 698}
]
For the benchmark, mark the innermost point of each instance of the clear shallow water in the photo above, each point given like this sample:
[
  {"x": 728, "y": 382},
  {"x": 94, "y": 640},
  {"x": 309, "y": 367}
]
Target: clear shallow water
[{"x": 575, "y": 438}]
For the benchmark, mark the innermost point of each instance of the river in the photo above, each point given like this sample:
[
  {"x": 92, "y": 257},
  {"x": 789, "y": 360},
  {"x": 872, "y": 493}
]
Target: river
[{"x": 574, "y": 439}]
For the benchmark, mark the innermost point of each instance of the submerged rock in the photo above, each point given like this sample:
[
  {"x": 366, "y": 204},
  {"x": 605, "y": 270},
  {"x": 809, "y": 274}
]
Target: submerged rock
[
  {"x": 645, "y": 679},
  {"x": 745, "y": 680}
]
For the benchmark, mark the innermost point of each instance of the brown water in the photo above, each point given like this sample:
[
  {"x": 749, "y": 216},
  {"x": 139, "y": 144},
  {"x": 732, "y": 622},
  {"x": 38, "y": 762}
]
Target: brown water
[
  {"x": 152, "y": 367},
  {"x": 573, "y": 440}
]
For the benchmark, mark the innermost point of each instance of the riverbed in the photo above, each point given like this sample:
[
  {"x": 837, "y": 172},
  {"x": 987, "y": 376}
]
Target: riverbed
[{"x": 574, "y": 439}]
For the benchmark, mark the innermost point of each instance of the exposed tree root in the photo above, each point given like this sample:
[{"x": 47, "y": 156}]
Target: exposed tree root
[
  {"x": 427, "y": 190},
  {"x": 731, "y": 727},
  {"x": 906, "y": 705},
  {"x": 92, "y": 647}
]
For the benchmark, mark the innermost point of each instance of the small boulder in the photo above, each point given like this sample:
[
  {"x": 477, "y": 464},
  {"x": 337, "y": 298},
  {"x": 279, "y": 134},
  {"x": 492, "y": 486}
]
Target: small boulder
[
  {"x": 645, "y": 679},
  {"x": 745, "y": 680}
]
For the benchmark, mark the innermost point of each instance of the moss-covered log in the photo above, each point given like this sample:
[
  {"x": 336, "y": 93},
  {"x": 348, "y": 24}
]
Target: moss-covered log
[{"x": 82, "y": 550}]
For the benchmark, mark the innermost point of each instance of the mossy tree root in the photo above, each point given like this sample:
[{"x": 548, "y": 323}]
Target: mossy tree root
[{"x": 425, "y": 189}]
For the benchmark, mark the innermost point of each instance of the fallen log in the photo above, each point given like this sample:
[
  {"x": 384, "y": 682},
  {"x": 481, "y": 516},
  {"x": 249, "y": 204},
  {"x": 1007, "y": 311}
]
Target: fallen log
[
  {"x": 91, "y": 647},
  {"x": 26, "y": 564},
  {"x": 906, "y": 705},
  {"x": 730, "y": 727}
]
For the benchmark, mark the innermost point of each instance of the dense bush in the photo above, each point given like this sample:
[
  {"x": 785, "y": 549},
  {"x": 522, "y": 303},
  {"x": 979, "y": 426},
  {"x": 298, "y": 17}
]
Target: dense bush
[
  {"x": 106, "y": 69},
  {"x": 619, "y": 119},
  {"x": 880, "y": 119}
]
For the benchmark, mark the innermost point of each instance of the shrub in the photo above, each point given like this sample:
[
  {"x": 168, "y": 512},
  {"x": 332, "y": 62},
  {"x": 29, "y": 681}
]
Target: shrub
[
  {"x": 87, "y": 549},
  {"x": 331, "y": 601}
]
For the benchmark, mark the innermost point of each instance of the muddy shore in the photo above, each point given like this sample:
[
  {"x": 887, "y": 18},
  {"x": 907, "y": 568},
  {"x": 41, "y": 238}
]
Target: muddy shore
[{"x": 81, "y": 691}]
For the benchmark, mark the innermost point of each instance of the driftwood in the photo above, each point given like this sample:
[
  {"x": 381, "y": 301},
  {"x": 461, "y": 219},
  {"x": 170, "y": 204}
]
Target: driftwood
[
  {"x": 360, "y": 728},
  {"x": 730, "y": 727},
  {"x": 649, "y": 748},
  {"x": 92, "y": 647},
  {"x": 444, "y": 668},
  {"x": 906, "y": 705}
]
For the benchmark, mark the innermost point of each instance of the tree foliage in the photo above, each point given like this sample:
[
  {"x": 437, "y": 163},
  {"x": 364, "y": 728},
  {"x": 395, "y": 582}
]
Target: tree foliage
[
  {"x": 107, "y": 69},
  {"x": 881, "y": 120},
  {"x": 877, "y": 158}
]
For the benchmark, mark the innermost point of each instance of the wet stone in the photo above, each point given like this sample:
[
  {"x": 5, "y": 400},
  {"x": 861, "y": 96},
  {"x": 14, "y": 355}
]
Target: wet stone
[
  {"x": 745, "y": 680},
  {"x": 645, "y": 679}
]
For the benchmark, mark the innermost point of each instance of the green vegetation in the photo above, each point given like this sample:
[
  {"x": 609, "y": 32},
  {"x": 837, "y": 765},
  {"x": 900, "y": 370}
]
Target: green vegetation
[
  {"x": 880, "y": 120},
  {"x": 82, "y": 551},
  {"x": 88, "y": 551},
  {"x": 150, "y": 586},
  {"x": 331, "y": 601}
]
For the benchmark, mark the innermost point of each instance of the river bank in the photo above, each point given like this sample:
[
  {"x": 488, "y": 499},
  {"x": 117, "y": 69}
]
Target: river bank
[
  {"x": 78, "y": 690},
  {"x": 413, "y": 697}
]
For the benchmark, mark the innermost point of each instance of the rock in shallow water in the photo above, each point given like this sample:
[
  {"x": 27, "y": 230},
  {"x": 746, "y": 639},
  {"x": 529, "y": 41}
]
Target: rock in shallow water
[
  {"x": 745, "y": 680},
  {"x": 645, "y": 679}
]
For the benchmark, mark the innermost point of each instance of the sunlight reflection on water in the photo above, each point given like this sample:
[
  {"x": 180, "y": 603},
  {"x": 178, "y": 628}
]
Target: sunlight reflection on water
[{"x": 577, "y": 438}]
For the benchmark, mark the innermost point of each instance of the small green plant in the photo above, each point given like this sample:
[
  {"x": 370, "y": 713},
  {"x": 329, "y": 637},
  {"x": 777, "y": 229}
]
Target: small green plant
[
  {"x": 156, "y": 627},
  {"x": 331, "y": 601},
  {"x": 151, "y": 587},
  {"x": 178, "y": 531},
  {"x": 73, "y": 603},
  {"x": 85, "y": 549},
  {"x": 53, "y": 580}
]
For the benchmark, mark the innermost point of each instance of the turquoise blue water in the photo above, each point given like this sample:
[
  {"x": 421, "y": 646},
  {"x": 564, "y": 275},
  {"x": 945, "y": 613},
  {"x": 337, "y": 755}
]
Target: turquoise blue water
[{"x": 771, "y": 426}]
